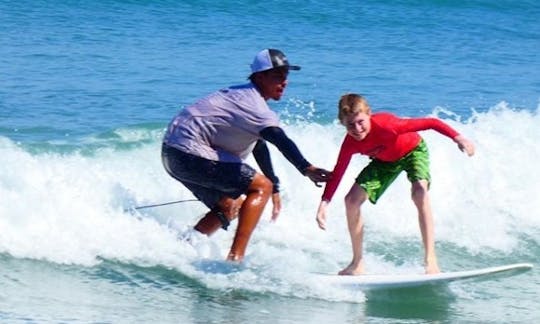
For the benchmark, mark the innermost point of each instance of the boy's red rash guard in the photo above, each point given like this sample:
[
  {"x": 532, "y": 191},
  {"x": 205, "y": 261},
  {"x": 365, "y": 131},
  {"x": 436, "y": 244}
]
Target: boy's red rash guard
[{"x": 389, "y": 139}]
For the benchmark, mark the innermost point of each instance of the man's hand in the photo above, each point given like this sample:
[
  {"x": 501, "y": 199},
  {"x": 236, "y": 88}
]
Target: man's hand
[
  {"x": 317, "y": 175},
  {"x": 276, "y": 206}
]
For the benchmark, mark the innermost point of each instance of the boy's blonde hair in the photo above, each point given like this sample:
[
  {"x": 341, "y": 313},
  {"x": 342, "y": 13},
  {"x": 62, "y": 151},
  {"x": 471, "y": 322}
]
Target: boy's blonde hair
[{"x": 352, "y": 104}]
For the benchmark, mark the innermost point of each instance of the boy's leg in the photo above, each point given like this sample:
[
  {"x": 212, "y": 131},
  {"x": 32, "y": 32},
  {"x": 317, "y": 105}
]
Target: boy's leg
[
  {"x": 353, "y": 202},
  {"x": 370, "y": 184},
  {"x": 420, "y": 197},
  {"x": 417, "y": 168}
]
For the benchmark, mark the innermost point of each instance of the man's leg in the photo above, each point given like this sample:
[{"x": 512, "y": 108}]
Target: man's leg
[
  {"x": 257, "y": 196},
  {"x": 220, "y": 216}
]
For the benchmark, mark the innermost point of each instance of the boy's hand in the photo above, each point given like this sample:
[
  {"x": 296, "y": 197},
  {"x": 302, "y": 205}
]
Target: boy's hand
[
  {"x": 464, "y": 145},
  {"x": 321, "y": 215}
]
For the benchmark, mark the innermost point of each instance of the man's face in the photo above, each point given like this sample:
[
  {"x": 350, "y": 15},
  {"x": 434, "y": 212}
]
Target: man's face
[{"x": 272, "y": 83}]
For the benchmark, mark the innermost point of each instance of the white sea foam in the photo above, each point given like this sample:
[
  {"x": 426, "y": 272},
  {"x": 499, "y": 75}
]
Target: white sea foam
[{"x": 71, "y": 208}]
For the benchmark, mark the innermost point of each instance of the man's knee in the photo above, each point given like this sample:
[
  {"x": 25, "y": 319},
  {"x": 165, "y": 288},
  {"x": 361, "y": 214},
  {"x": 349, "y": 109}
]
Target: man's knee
[
  {"x": 261, "y": 185},
  {"x": 230, "y": 207}
]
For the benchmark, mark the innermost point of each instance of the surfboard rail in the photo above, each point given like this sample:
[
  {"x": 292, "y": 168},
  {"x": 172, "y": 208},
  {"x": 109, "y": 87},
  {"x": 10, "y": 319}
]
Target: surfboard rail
[{"x": 387, "y": 281}]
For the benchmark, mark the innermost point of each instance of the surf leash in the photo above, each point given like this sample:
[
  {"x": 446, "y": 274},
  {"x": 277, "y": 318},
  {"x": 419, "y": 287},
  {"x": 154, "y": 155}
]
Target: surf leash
[{"x": 160, "y": 204}]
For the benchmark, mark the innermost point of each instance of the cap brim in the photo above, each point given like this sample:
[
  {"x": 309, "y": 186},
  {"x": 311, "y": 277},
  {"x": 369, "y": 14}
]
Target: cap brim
[{"x": 294, "y": 67}]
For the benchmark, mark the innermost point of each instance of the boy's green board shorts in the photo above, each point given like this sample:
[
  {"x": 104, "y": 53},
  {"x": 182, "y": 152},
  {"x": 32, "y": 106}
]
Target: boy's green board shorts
[{"x": 378, "y": 175}]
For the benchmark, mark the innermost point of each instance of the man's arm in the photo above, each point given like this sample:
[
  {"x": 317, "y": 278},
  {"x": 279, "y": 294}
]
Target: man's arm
[
  {"x": 262, "y": 156},
  {"x": 288, "y": 148}
]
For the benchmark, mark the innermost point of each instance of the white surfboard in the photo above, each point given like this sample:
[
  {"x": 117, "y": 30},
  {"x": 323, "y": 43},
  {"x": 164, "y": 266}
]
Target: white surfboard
[{"x": 388, "y": 281}]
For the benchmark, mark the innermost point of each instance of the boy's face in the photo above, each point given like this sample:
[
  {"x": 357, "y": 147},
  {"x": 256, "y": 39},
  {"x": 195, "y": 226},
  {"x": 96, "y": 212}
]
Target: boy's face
[{"x": 358, "y": 126}]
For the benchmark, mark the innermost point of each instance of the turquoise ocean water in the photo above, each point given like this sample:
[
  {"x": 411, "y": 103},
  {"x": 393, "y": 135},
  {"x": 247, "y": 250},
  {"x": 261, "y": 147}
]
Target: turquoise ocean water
[{"x": 87, "y": 88}]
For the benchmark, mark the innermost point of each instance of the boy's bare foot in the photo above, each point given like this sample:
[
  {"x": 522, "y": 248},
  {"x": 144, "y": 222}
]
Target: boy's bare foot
[
  {"x": 432, "y": 268},
  {"x": 352, "y": 270}
]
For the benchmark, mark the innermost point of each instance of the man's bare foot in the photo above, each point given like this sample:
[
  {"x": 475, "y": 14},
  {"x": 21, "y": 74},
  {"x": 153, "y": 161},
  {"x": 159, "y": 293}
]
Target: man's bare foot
[
  {"x": 352, "y": 270},
  {"x": 235, "y": 258}
]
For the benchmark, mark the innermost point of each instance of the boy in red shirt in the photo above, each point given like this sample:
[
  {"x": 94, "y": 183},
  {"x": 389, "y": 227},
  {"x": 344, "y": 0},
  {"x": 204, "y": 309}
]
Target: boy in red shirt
[{"x": 393, "y": 145}]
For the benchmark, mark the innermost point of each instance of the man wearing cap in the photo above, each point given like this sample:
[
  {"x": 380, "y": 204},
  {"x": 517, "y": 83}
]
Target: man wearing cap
[{"x": 206, "y": 144}]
